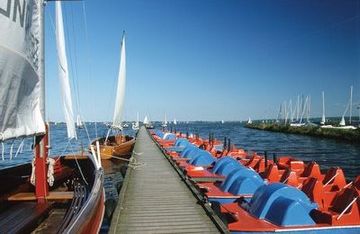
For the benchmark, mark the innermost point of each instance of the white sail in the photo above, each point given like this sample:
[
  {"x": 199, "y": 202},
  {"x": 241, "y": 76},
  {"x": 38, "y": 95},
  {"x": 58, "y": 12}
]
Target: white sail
[
  {"x": 174, "y": 122},
  {"x": 63, "y": 73},
  {"x": 146, "y": 120},
  {"x": 120, "y": 94},
  {"x": 21, "y": 86},
  {"x": 342, "y": 121},
  {"x": 323, "y": 109},
  {"x": 165, "y": 122},
  {"x": 79, "y": 123},
  {"x": 249, "y": 121}
]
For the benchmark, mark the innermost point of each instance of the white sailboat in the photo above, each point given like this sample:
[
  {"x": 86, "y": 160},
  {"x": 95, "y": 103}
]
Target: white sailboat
[
  {"x": 136, "y": 125},
  {"x": 22, "y": 90},
  {"x": 322, "y": 122},
  {"x": 165, "y": 123},
  {"x": 146, "y": 120},
  {"x": 79, "y": 123},
  {"x": 348, "y": 106},
  {"x": 249, "y": 121},
  {"x": 175, "y": 122},
  {"x": 117, "y": 145}
]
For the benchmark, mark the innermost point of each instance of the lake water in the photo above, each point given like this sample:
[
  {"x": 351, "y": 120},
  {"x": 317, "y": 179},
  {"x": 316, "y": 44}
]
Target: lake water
[{"x": 326, "y": 152}]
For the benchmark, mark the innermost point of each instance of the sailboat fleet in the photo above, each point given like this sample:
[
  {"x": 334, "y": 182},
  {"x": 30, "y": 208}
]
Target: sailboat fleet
[{"x": 299, "y": 115}]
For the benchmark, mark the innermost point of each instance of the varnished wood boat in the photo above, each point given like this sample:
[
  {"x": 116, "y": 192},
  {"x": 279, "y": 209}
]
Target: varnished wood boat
[
  {"x": 74, "y": 204},
  {"x": 51, "y": 195},
  {"x": 118, "y": 146}
]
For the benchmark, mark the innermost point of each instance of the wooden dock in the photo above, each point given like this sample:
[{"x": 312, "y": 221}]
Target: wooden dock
[{"x": 155, "y": 199}]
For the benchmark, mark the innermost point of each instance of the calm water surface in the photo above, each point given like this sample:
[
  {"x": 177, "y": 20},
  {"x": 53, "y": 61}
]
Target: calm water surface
[{"x": 326, "y": 152}]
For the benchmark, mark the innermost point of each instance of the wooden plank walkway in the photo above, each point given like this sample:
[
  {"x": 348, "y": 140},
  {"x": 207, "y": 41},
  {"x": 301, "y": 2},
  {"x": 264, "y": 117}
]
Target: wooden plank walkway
[{"x": 154, "y": 199}]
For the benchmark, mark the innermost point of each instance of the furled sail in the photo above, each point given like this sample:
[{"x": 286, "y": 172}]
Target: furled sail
[
  {"x": 21, "y": 64},
  {"x": 120, "y": 94},
  {"x": 63, "y": 73}
]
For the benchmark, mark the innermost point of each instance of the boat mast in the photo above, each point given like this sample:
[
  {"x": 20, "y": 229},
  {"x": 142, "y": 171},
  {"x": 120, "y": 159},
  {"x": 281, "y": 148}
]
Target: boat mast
[
  {"x": 351, "y": 96},
  {"x": 323, "y": 108},
  {"x": 41, "y": 141}
]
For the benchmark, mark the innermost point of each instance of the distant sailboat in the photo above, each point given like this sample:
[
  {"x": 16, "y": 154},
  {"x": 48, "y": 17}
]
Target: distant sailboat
[
  {"x": 165, "y": 123},
  {"x": 147, "y": 122},
  {"x": 249, "y": 121},
  {"x": 322, "y": 122},
  {"x": 117, "y": 145},
  {"x": 79, "y": 123},
  {"x": 136, "y": 125},
  {"x": 175, "y": 122},
  {"x": 348, "y": 106},
  {"x": 222, "y": 121}
]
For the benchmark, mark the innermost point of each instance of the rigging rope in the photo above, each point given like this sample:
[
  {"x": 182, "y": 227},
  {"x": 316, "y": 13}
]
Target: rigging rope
[
  {"x": 2, "y": 151},
  {"x": 20, "y": 146},
  {"x": 11, "y": 150}
]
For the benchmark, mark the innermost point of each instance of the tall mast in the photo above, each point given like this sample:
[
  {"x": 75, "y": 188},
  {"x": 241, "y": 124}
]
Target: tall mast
[
  {"x": 41, "y": 142},
  {"x": 351, "y": 96},
  {"x": 323, "y": 108}
]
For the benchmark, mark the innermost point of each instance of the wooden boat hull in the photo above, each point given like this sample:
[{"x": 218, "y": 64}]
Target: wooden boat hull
[
  {"x": 118, "y": 146},
  {"x": 66, "y": 210}
]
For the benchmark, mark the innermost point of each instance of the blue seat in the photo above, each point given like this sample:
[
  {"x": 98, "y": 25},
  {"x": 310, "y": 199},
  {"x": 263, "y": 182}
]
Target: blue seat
[
  {"x": 202, "y": 158},
  {"x": 242, "y": 181},
  {"x": 169, "y": 136},
  {"x": 282, "y": 205},
  {"x": 188, "y": 150},
  {"x": 225, "y": 166}
]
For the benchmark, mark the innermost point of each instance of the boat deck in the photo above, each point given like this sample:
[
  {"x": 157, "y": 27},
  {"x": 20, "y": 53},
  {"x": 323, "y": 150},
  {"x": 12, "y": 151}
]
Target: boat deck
[{"x": 155, "y": 199}]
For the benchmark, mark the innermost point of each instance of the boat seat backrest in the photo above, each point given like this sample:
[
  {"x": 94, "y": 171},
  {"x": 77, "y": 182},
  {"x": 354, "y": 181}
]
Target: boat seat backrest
[
  {"x": 356, "y": 183},
  {"x": 272, "y": 173},
  {"x": 260, "y": 165},
  {"x": 343, "y": 199},
  {"x": 313, "y": 188},
  {"x": 252, "y": 162},
  {"x": 289, "y": 177},
  {"x": 297, "y": 166},
  {"x": 312, "y": 169},
  {"x": 334, "y": 178}
]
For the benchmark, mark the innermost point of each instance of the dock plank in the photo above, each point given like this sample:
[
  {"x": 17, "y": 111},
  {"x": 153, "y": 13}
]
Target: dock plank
[{"x": 155, "y": 199}]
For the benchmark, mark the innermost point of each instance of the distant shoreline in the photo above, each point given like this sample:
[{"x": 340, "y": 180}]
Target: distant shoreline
[{"x": 351, "y": 136}]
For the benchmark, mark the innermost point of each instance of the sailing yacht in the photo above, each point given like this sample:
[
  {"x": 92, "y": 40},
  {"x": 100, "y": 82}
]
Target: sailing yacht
[
  {"x": 342, "y": 123},
  {"x": 32, "y": 193},
  {"x": 117, "y": 145},
  {"x": 175, "y": 121},
  {"x": 147, "y": 122},
  {"x": 79, "y": 123},
  {"x": 136, "y": 125},
  {"x": 165, "y": 123}
]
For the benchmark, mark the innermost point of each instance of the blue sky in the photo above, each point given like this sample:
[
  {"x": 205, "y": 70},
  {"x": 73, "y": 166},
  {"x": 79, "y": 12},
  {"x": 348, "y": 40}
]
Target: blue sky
[{"x": 207, "y": 59}]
